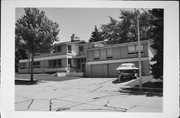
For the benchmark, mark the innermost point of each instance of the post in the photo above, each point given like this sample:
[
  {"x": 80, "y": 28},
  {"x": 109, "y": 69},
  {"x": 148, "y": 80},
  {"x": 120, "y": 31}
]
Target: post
[
  {"x": 139, "y": 50},
  {"x": 32, "y": 65},
  {"x": 29, "y": 63}
]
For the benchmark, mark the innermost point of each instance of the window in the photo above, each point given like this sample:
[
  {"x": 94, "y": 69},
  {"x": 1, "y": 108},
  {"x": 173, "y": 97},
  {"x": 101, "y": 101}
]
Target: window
[
  {"x": 55, "y": 63},
  {"x": 58, "y": 49},
  {"x": 96, "y": 54},
  {"x": 59, "y": 63},
  {"x": 131, "y": 50},
  {"x": 81, "y": 49},
  {"x": 141, "y": 49},
  {"x": 78, "y": 63},
  {"x": 69, "y": 49},
  {"x": 22, "y": 65},
  {"x": 69, "y": 62},
  {"x": 109, "y": 53},
  {"x": 36, "y": 64}
]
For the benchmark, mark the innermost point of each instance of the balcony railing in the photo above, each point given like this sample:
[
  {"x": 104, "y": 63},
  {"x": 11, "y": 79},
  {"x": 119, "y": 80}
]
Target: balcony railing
[{"x": 47, "y": 55}]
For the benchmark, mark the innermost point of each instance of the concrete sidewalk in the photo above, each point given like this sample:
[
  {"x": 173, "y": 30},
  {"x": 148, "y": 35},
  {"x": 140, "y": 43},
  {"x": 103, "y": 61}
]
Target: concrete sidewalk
[{"x": 84, "y": 94}]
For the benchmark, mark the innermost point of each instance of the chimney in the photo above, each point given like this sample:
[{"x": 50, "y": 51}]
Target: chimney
[{"x": 72, "y": 37}]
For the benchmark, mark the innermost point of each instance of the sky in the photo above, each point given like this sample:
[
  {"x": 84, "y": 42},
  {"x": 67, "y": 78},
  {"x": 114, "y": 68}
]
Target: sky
[{"x": 78, "y": 21}]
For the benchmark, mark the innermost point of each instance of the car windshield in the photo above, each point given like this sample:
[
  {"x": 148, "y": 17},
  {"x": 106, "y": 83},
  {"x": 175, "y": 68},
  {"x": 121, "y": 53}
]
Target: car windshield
[{"x": 127, "y": 65}]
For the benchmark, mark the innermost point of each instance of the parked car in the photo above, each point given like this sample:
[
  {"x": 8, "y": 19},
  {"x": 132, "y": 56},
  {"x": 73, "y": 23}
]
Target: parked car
[{"x": 127, "y": 70}]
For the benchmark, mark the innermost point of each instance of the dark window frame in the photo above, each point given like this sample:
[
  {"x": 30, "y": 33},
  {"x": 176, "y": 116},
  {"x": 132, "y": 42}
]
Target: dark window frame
[
  {"x": 81, "y": 48},
  {"x": 69, "y": 49},
  {"x": 59, "y": 48},
  {"x": 36, "y": 64}
]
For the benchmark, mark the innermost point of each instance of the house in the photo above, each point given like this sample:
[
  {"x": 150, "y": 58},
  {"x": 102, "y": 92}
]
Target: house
[
  {"x": 102, "y": 60},
  {"x": 66, "y": 56},
  {"x": 93, "y": 59}
]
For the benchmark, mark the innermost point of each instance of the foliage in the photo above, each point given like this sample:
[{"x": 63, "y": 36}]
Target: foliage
[
  {"x": 125, "y": 30},
  {"x": 19, "y": 54},
  {"x": 156, "y": 34},
  {"x": 95, "y": 35},
  {"x": 35, "y": 32}
]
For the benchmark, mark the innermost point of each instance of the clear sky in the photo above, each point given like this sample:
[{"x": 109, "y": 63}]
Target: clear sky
[{"x": 78, "y": 21}]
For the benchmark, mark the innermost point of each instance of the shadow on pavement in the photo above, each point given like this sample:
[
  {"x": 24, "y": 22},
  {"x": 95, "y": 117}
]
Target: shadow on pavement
[
  {"x": 149, "y": 92},
  {"x": 122, "y": 80},
  {"x": 24, "y": 82}
]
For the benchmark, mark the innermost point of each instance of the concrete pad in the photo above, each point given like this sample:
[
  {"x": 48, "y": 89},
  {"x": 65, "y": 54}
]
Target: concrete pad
[
  {"x": 85, "y": 94},
  {"x": 57, "y": 104},
  {"x": 92, "y": 108},
  {"x": 144, "y": 109},
  {"x": 101, "y": 102},
  {"x": 40, "y": 105},
  {"x": 22, "y": 106},
  {"x": 131, "y": 101},
  {"x": 20, "y": 99},
  {"x": 120, "y": 102}
]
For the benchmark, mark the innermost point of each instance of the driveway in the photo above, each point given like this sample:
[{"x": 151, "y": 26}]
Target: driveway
[{"x": 82, "y": 94}]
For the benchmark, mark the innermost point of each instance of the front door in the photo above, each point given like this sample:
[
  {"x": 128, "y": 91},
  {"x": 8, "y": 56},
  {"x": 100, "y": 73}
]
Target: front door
[{"x": 83, "y": 67}]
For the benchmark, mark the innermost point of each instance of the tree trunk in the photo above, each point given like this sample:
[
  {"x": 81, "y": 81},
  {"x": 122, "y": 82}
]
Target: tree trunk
[{"x": 32, "y": 64}]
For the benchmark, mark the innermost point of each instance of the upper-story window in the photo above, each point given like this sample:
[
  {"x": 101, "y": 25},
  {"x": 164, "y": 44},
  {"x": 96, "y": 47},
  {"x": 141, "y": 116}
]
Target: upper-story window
[
  {"x": 58, "y": 49},
  {"x": 81, "y": 48},
  {"x": 109, "y": 53},
  {"x": 141, "y": 48},
  {"x": 69, "y": 49},
  {"x": 96, "y": 54},
  {"x": 133, "y": 50}
]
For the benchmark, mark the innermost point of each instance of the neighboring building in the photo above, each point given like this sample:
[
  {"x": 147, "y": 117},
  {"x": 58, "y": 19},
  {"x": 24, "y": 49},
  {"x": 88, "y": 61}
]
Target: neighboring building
[
  {"x": 94, "y": 59},
  {"x": 102, "y": 60}
]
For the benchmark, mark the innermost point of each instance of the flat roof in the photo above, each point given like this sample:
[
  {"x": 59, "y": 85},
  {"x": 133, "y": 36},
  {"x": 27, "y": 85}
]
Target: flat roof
[
  {"x": 119, "y": 44},
  {"x": 69, "y": 42}
]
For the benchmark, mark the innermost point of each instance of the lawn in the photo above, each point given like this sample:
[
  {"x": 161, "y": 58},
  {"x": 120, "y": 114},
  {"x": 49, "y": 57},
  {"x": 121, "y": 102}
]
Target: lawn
[{"x": 43, "y": 77}]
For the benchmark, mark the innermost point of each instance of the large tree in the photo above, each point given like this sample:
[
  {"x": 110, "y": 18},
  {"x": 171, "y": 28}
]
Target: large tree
[
  {"x": 125, "y": 29},
  {"x": 95, "y": 35},
  {"x": 35, "y": 33},
  {"x": 156, "y": 34}
]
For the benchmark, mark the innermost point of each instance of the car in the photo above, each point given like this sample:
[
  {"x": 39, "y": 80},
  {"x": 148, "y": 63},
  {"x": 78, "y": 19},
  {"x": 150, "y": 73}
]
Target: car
[{"x": 127, "y": 70}]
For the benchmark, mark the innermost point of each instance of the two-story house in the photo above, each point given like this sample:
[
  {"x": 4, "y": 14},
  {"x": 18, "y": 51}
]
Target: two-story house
[
  {"x": 94, "y": 59},
  {"x": 66, "y": 56},
  {"x": 102, "y": 60}
]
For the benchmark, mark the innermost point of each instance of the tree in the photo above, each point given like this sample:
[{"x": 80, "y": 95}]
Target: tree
[
  {"x": 156, "y": 34},
  {"x": 19, "y": 54},
  {"x": 125, "y": 30},
  {"x": 95, "y": 35},
  {"x": 35, "y": 33},
  {"x": 111, "y": 31}
]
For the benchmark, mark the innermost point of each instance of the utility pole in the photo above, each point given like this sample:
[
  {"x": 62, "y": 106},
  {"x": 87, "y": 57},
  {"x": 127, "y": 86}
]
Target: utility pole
[{"x": 139, "y": 50}]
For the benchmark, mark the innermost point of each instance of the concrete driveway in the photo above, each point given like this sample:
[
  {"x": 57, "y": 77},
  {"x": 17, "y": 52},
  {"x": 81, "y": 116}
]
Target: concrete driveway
[{"x": 83, "y": 94}]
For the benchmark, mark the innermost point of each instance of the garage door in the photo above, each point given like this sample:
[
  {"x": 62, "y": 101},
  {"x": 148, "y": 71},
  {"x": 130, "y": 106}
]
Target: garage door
[
  {"x": 112, "y": 70},
  {"x": 98, "y": 70}
]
